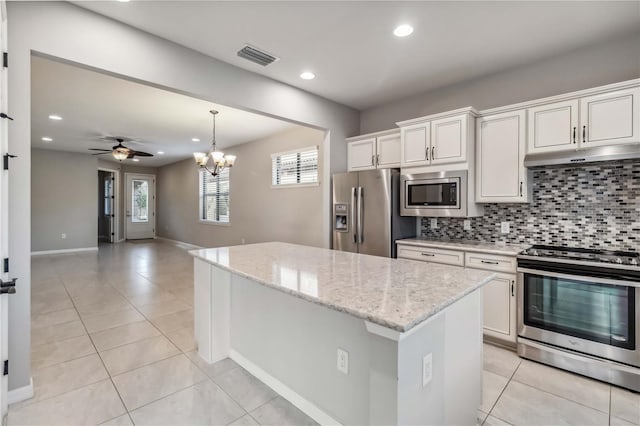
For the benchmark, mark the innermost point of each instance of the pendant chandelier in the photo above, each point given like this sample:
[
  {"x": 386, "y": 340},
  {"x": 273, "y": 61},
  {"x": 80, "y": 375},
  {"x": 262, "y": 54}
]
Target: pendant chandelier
[{"x": 219, "y": 160}]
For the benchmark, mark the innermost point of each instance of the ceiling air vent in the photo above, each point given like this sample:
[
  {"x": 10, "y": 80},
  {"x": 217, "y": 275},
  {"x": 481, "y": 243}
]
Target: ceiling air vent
[{"x": 256, "y": 55}]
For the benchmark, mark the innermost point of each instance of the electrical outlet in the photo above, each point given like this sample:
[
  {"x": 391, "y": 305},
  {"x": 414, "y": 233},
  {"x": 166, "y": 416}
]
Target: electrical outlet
[
  {"x": 63, "y": 236},
  {"x": 427, "y": 369},
  {"x": 504, "y": 227},
  {"x": 343, "y": 361},
  {"x": 467, "y": 225},
  {"x": 434, "y": 223}
]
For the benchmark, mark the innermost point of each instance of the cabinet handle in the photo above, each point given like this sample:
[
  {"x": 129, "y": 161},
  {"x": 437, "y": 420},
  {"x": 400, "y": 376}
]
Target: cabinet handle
[
  {"x": 428, "y": 254},
  {"x": 433, "y": 152},
  {"x": 427, "y": 153},
  {"x": 574, "y": 134},
  {"x": 377, "y": 159},
  {"x": 521, "y": 188},
  {"x": 584, "y": 134},
  {"x": 490, "y": 262},
  {"x": 513, "y": 291},
  {"x": 373, "y": 160}
]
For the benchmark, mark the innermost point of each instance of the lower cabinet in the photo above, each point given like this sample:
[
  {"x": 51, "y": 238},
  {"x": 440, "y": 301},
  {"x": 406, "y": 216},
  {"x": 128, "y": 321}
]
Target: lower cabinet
[{"x": 499, "y": 303}]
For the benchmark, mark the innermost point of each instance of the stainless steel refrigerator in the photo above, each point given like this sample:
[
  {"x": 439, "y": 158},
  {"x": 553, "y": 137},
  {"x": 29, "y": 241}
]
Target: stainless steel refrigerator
[{"x": 366, "y": 212}]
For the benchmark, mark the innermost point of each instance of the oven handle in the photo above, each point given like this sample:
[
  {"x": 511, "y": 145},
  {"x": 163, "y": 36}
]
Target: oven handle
[{"x": 580, "y": 278}]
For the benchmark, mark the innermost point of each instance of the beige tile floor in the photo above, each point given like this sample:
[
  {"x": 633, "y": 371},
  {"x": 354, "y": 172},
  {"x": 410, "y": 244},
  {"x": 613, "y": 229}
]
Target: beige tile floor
[{"x": 112, "y": 344}]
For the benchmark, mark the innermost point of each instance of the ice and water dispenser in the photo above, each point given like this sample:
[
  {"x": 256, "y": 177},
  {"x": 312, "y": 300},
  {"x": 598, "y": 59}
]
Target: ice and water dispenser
[{"x": 341, "y": 217}]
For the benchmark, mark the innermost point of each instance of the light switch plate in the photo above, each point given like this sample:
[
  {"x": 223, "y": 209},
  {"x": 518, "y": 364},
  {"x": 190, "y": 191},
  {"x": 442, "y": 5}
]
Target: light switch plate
[
  {"x": 343, "y": 361},
  {"x": 434, "y": 223},
  {"x": 467, "y": 225},
  {"x": 504, "y": 227}
]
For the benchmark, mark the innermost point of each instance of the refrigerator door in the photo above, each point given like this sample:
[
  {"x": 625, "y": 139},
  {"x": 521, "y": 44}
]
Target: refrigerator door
[
  {"x": 344, "y": 211},
  {"x": 375, "y": 212}
]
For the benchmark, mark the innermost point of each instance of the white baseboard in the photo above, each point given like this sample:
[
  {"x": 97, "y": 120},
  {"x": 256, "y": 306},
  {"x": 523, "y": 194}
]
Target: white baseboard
[
  {"x": 20, "y": 394},
  {"x": 285, "y": 391},
  {"x": 182, "y": 243},
  {"x": 75, "y": 250}
]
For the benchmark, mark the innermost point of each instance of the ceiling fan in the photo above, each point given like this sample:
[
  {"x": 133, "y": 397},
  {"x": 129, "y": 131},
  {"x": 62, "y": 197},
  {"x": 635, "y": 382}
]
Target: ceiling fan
[{"x": 120, "y": 152}]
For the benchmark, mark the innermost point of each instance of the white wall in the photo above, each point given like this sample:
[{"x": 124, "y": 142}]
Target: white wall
[
  {"x": 609, "y": 62},
  {"x": 258, "y": 212},
  {"x": 64, "y": 199},
  {"x": 65, "y": 31}
]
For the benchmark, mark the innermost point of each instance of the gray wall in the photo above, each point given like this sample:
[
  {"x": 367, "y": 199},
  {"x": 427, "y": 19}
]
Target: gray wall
[
  {"x": 64, "y": 199},
  {"x": 258, "y": 212},
  {"x": 119, "y": 49},
  {"x": 609, "y": 62}
]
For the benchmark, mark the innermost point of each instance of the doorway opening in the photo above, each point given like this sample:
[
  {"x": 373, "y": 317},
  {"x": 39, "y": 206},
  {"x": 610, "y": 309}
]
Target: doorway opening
[{"x": 107, "y": 205}]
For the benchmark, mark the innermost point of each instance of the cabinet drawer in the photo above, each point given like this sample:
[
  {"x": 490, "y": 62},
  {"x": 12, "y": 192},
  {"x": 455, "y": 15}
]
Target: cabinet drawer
[
  {"x": 491, "y": 262},
  {"x": 449, "y": 257}
]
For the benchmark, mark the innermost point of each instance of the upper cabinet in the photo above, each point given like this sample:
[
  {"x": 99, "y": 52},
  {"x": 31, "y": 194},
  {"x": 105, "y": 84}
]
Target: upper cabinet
[
  {"x": 438, "y": 139},
  {"x": 609, "y": 118},
  {"x": 374, "y": 151},
  {"x": 500, "y": 173}
]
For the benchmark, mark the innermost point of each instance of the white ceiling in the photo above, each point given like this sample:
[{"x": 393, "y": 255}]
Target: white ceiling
[
  {"x": 94, "y": 105},
  {"x": 350, "y": 46}
]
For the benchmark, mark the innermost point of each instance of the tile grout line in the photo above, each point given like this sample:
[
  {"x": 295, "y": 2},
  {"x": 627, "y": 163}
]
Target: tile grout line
[{"x": 501, "y": 393}]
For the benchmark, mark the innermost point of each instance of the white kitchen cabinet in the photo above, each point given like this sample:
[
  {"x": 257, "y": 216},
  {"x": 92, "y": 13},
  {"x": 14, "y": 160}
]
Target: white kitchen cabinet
[
  {"x": 610, "y": 118},
  {"x": 438, "y": 139},
  {"x": 415, "y": 145},
  {"x": 449, "y": 139},
  {"x": 553, "y": 127},
  {"x": 388, "y": 150},
  {"x": 500, "y": 173},
  {"x": 380, "y": 150},
  {"x": 499, "y": 303},
  {"x": 361, "y": 154}
]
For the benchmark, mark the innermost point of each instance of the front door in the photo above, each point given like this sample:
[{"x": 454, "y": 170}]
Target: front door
[
  {"x": 140, "y": 206},
  {"x": 5, "y": 291}
]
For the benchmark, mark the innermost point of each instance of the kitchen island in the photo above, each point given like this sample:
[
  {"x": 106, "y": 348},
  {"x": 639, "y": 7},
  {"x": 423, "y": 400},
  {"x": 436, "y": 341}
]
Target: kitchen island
[{"x": 347, "y": 338}]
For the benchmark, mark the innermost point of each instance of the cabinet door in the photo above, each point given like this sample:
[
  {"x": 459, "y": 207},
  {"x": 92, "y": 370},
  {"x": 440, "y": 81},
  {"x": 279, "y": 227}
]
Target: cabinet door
[
  {"x": 499, "y": 302},
  {"x": 610, "y": 118},
  {"x": 388, "y": 151},
  {"x": 449, "y": 139},
  {"x": 415, "y": 141},
  {"x": 553, "y": 127},
  {"x": 362, "y": 154},
  {"x": 500, "y": 172}
]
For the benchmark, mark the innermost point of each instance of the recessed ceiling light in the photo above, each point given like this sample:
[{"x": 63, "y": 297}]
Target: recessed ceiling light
[
  {"x": 403, "y": 30},
  {"x": 136, "y": 160},
  {"x": 55, "y": 117},
  {"x": 195, "y": 140},
  {"x": 307, "y": 75},
  {"x": 160, "y": 152},
  {"x": 46, "y": 139}
]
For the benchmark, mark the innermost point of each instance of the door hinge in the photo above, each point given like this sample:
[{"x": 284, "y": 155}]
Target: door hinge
[
  {"x": 5, "y": 369},
  {"x": 5, "y": 162},
  {"x": 6, "y": 265},
  {"x": 5, "y": 59}
]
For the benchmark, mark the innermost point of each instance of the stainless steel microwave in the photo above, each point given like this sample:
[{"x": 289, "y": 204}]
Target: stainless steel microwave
[{"x": 441, "y": 194}]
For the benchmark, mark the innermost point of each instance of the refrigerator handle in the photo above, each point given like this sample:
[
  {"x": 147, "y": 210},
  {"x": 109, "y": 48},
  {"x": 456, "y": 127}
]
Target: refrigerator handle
[
  {"x": 360, "y": 216},
  {"x": 353, "y": 215}
]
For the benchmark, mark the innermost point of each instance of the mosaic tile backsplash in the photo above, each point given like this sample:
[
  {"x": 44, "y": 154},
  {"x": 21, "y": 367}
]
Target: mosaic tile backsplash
[{"x": 591, "y": 206}]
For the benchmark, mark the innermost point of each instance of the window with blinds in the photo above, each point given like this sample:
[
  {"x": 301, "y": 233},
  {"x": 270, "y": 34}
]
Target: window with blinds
[
  {"x": 214, "y": 196},
  {"x": 295, "y": 167}
]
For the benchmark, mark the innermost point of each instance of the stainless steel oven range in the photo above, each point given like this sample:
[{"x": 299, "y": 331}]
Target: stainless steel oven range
[{"x": 578, "y": 309}]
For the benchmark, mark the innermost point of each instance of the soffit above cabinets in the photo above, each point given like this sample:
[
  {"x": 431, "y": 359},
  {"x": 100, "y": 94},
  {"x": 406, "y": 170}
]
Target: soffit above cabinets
[{"x": 352, "y": 51}]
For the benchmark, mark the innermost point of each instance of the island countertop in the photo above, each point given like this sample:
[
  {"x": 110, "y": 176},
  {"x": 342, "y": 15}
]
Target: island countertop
[{"x": 394, "y": 293}]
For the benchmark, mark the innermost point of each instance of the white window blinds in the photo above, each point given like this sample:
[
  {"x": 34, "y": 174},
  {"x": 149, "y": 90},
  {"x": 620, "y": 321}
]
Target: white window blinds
[
  {"x": 295, "y": 167},
  {"x": 214, "y": 196}
]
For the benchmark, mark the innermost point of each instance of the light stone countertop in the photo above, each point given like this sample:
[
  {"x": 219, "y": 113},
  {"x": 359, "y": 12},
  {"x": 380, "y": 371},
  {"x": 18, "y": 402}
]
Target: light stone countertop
[
  {"x": 471, "y": 246},
  {"x": 395, "y": 293}
]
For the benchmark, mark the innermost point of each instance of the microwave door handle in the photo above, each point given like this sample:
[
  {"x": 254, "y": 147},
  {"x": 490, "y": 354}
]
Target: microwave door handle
[{"x": 360, "y": 215}]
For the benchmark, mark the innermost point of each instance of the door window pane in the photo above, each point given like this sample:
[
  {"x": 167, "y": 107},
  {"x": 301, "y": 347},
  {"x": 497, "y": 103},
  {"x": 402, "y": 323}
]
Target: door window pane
[{"x": 140, "y": 201}]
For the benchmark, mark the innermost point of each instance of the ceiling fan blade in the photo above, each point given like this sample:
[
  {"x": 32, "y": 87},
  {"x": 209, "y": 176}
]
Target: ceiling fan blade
[
  {"x": 96, "y": 149},
  {"x": 142, "y": 154},
  {"x": 102, "y": 153}
]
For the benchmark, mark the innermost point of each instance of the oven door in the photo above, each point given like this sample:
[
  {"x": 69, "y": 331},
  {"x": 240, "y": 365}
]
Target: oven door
[{"x": 596, "y": 316}]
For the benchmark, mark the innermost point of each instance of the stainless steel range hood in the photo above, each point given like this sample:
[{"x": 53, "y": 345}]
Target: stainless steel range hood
[{"x": 586, "y": 155}]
